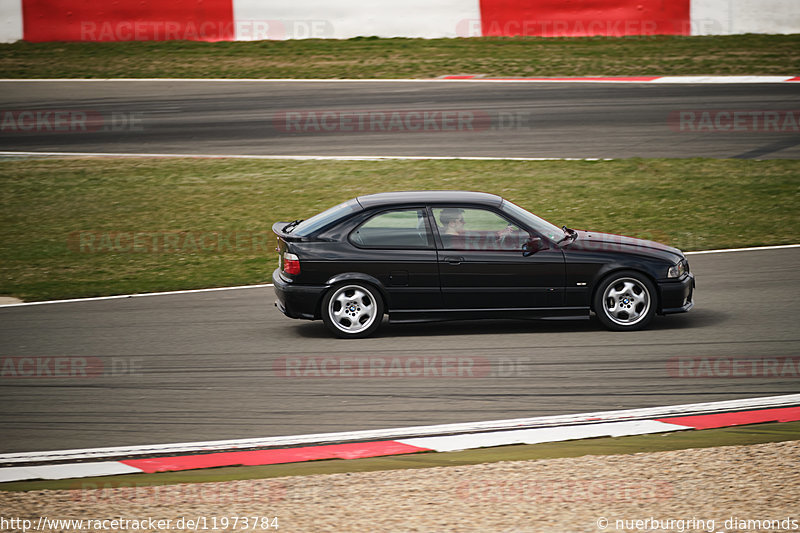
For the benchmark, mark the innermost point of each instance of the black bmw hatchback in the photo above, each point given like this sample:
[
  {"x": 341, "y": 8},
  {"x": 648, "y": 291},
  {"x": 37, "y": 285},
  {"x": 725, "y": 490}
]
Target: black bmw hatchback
[{"x": 443, "y": 255}]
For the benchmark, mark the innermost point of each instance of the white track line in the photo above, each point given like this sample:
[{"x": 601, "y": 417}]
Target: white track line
[
  {"x": 121, "y": 296},
  {"x": 301, "y": 157},
  {"x": 191, "y": 291},
  {"x": 753, "y": 249},
  {"x": 409, "y": 432},
  {"x": 66, "y": 471},
  {"x": 248, "y": 80},
  {"x": 723, "y": 79},
  {"x": 452, "y": 443}
]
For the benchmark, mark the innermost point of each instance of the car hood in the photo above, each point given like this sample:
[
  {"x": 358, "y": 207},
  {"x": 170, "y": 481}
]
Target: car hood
[{"x": 594, "y": 241}]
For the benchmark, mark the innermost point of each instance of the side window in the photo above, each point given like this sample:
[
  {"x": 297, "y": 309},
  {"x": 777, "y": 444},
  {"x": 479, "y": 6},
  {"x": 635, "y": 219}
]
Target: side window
[
  {"x": 477, "y": 229},
  {"x": 404, "y": 228}
]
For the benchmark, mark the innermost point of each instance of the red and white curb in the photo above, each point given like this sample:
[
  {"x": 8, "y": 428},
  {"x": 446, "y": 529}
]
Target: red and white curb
[
  {"x": 398, "y": 441},
  {"x": 258, "y": 20}
]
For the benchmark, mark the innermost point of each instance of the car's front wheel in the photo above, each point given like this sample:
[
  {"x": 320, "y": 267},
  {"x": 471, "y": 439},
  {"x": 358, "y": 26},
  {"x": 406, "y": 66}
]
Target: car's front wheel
[
  {"x": 625, "y": 301},
  {"x": 352, "y": 310}
]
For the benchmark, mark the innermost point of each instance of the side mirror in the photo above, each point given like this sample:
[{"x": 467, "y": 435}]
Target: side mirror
[{"x": 533, "y": 245}]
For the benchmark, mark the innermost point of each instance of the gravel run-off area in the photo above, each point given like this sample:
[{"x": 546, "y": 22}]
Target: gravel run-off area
[{"x": 665, "y": 491}]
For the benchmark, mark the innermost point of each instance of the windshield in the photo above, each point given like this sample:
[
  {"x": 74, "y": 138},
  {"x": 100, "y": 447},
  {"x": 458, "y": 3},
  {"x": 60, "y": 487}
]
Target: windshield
[
  {"x": 539, "y": 225},
  {"x": 317, "y": 222}
]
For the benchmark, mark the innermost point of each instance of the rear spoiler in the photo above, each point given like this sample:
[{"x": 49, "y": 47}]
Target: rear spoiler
[{"x": 277, "y": 229}]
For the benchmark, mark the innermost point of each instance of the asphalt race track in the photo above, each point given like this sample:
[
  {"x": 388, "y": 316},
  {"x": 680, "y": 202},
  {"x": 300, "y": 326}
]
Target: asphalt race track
[
  {"x": 202, "y": 366},
  {"x": 504, "y": 119},
  {"x": 206, "y": 366}
]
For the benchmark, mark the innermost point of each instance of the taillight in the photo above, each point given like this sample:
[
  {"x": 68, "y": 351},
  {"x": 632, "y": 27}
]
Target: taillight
[{"x": 291, "y": 264}]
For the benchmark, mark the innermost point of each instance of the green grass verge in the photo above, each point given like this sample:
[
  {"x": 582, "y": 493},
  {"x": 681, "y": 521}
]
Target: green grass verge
[
  {"x": 408, "y": 58},
  {"x": 682, "y": 440},
  {"x": 692, "y": 204}
]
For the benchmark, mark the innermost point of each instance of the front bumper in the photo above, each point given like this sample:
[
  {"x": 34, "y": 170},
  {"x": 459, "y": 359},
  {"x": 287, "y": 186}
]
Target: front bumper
[
  {"x": 297, "y": 301},
  {"x": 676, "y": 296}
]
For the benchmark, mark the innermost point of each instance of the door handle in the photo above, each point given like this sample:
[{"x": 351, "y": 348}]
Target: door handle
[{"x": 454, "y": 259}]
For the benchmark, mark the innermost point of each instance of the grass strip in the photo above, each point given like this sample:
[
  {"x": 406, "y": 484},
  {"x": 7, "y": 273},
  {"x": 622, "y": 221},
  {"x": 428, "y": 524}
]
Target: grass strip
[
  {"x": 69, "y": 224},
  {"x": 660, "y": 442},
  {"x": 408, "y": 58}
]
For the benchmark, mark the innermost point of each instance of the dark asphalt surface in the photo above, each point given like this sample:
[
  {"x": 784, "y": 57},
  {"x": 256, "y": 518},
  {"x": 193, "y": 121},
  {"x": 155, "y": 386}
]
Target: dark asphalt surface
[
  {"x": 505, "y": 120},
  {"x": 200, "y": 366}
]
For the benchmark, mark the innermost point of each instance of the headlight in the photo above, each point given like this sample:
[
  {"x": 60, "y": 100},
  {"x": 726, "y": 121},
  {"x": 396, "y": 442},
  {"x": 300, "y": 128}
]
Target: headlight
[{"x": 678, "y": 270}]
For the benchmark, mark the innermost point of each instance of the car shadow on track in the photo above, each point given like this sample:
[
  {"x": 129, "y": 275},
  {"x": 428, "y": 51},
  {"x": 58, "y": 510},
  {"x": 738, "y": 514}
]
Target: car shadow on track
[{"x": 693, "y": 320}]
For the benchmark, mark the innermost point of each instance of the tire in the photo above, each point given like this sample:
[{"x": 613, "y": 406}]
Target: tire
[
  {"x": 352, "y": 310},
  {"x": 625, "y": 301}
]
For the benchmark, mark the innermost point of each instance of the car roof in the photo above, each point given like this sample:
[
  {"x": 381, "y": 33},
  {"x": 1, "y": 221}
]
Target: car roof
[{"x": 429, "y": 197}]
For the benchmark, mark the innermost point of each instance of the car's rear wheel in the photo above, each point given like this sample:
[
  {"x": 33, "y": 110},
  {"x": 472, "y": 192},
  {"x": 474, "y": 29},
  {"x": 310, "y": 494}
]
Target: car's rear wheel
[
  {"x": 625, "y": 301},
  {"x": 352, "y": 310}
]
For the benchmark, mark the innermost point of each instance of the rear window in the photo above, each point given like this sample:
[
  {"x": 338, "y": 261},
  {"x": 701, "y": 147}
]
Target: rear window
[
  {"x": 403, "y": 228},
  {"x": 326, "y": 218}
]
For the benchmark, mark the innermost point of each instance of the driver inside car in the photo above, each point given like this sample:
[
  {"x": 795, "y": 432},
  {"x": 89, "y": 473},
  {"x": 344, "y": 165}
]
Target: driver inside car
[
  {"x": 454, "y": 233},
  {"x": 452, "y": 221}
]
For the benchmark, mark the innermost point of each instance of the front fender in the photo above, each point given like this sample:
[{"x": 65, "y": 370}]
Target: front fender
[{"x": 645, "y": 268}]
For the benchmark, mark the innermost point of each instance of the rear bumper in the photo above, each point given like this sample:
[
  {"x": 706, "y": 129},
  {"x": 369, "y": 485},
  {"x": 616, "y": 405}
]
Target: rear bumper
[
  {"x": 296, "y": 301},
  {"x": 676, "y": 296}
]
